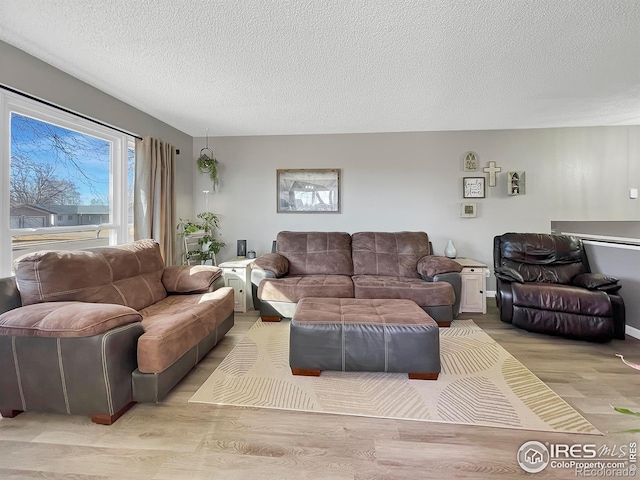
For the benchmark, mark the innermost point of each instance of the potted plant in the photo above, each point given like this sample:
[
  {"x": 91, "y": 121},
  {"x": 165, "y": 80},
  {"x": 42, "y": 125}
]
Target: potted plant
[
  {"x": 209, "y": 245},
  {"x": 208, "y": 164}
]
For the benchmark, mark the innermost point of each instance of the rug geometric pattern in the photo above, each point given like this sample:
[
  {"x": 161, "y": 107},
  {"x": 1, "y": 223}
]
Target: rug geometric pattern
[{"x": 480, "y": 384}]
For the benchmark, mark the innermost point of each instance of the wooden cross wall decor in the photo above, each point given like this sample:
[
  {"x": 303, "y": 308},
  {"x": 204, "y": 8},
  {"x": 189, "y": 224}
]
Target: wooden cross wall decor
[{"x": 492, "y": 170}]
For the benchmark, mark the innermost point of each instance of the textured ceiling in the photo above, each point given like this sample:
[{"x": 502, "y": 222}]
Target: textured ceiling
[{"x": 250, "y": 67}]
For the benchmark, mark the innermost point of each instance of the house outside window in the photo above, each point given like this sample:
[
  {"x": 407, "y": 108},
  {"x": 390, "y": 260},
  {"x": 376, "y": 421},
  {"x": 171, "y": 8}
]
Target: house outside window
[{"x": 60, "y": 167}]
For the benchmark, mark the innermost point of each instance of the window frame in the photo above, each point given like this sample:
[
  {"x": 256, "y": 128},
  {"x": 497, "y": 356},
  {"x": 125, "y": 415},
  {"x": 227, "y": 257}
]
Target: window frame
[{"x": 118, "y": 172}]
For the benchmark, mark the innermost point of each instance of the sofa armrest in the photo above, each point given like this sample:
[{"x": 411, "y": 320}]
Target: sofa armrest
[
  {"x": 431, "y": 265},
  {"x": 597, "y": 281},
  {"x": 272, "y": 262},
  {"x": 509, "y": 275},
  {"x": 9, "y": 294},
  {"x": 190, "y": 278}
]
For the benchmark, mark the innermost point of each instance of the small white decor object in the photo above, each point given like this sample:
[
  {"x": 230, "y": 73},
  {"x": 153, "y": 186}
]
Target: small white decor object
[
  {"x": 492, "y": 170},
  {"x": 469, "y": 210},
  {"x": 450, "y": 250},
  {"x": 515, "y": 183},
  {"x": 470, "y": 162}
]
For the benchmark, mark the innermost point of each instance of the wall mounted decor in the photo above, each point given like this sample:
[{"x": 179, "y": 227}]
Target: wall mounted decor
[
  {"x": 308, "y": 191},
  {"x": 515, "y": 183},
  {"x": 469, "y": 210},
  {"x": 470, "y": 162},
  {"x": 473, "y": 187},
  {"x": 492, "y": 170}
]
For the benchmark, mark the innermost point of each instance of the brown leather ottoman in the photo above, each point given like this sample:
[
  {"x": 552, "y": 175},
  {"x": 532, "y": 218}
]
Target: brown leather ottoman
[{"x": 373, "y": 335}]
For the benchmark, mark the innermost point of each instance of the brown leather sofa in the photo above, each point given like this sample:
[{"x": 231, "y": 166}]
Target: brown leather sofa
[
  {"x": 545, "y": 284},
  {"x": 372, "y": 265},
  {"x": 91, "y": 332}
]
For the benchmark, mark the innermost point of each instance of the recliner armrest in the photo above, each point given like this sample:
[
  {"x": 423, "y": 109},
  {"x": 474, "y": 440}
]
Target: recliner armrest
[
  {"x": 508, "y": 274},
  {"x": 273, "y": 262},
  {"x": 597, "y": 281}
]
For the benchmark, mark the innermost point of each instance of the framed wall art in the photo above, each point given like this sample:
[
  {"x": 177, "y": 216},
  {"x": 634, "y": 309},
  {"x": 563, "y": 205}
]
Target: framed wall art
[
  {"x": 469, "y": 210},
  {"x": 470, "y": 162},
  {"x": 473, "y": 187},
  {"x": 308, "y": 191}
]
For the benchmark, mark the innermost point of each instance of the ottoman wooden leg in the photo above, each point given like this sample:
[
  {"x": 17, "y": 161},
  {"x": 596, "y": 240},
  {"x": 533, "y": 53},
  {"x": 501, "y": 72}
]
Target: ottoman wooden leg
[
  {"x": 10, "y": 413},
  {"x": 444, "y": 324},
  {"x": 308, "y": 373},
  {"x": 270, "y": 319},
  {"x": 423, "y": 376}
]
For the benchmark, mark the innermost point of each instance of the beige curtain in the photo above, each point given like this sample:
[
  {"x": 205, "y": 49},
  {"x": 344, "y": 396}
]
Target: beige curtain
[{"x": 154, "y": 197}]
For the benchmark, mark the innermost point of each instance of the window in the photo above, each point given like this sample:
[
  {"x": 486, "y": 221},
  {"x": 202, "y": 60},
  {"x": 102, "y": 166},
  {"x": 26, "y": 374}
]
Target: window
[{"x": 58, "y": 166}]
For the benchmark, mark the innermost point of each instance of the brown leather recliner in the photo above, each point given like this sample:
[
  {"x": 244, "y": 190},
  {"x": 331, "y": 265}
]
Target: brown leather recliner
[{"x": 544, "y": 284}]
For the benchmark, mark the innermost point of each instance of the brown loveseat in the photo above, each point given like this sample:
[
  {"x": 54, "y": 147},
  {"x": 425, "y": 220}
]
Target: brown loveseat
[
  {"x": 372, "y": 265},
  {"x": 92, "y": 331}
]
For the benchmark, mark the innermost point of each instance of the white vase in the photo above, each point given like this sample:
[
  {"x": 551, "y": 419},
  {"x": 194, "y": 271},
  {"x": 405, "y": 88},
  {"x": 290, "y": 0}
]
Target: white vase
[{"x": 450, "y": 250}]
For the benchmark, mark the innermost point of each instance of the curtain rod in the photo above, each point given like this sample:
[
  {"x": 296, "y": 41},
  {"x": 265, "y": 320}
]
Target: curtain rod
[{"x": 53, "y": 105}]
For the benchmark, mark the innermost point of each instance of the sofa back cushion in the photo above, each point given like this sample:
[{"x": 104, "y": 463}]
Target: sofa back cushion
[
  {"x": 129, "y": 275},
  {"x": 316, "y": 253},
  {"x": 541, "y": 257},
  {"x": 387, "y": 253}
]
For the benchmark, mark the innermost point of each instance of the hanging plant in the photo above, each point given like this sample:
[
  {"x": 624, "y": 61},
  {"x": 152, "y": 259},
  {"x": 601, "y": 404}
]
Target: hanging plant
[{"x": 207, "y": 164}]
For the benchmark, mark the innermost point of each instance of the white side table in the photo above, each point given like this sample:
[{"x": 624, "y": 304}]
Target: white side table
[
  {"x": 237, "y": 275},
  {"x": 474, "y": 286}
]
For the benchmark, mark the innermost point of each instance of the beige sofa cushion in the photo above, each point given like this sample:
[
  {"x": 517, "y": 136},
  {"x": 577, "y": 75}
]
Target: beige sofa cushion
[
  {"x": 177, "y": 323},
  {"x": 316, "y": 253},
  {"x": 65, "y": 319},
  {"x": 293, "y": 289},
  {"x": 129, "y": 275},
  {"x": 388, "y": 253}
]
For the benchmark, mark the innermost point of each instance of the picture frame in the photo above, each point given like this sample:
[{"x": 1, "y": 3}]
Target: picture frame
[
  {"x": 470, "y": 162},
  {"x": 469, "y": 210},
  {"x": 473, "y": 187},
  {"x": 308, "y": 190}
]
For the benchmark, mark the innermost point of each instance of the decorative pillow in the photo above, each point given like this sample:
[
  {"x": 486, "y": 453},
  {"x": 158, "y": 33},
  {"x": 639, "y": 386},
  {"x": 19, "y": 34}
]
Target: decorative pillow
[
  {"x": 431, "y": 265},
  {"x": 509, "y": 274},
  {"x": 274, "y": 262},
  {"x": 189, "y": 278}
]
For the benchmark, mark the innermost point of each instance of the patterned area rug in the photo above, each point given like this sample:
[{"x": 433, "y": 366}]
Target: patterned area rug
[{"x": 480, "y": 384}]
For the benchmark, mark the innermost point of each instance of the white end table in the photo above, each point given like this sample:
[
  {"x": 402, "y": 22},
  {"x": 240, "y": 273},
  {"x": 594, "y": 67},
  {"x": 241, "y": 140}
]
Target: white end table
[
  {"x": 237, "y": 275},
  {"x": 474, "y": 286}
]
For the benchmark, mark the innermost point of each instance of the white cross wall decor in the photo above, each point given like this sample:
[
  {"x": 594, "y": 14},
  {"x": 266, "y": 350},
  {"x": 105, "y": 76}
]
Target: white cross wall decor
[{"x": 492, "y": 170}]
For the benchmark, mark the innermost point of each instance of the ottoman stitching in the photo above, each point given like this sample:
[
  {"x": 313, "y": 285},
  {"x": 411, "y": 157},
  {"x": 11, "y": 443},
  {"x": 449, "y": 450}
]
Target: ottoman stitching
[{"x": 343, "y": 339}]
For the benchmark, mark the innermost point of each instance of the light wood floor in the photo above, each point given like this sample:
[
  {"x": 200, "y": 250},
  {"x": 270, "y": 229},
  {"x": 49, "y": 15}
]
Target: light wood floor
[{"x": 178, "y": 440}]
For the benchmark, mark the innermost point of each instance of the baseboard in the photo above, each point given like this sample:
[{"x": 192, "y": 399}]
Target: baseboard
[
  {"x": 491, "y": 293},
  {"x": 632, "y": 332}
]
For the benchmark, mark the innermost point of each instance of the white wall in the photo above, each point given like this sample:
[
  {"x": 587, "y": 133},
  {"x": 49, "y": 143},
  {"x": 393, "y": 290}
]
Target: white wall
[
  {"x": 413, "y": 181},
  {"x": 27, "y": 74}
]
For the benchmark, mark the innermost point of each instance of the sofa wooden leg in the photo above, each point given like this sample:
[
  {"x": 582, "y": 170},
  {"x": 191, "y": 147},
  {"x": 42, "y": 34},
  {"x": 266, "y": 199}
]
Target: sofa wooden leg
[
  {"x": 423, "y": 376},
  {"x": 10, "y": 413},
  {"x": 444, "y": 324},
  {"x": 103, "y": 419},
  {"x": 270, "y": 319},
  {"x": 307, "y": 373}
]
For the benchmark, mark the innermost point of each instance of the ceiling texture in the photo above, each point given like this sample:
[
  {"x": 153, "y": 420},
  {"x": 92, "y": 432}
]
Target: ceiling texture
[{"x": 250, "y": 67}]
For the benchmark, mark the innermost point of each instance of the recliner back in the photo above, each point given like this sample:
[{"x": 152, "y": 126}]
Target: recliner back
[{"x": 541, "y": 258}]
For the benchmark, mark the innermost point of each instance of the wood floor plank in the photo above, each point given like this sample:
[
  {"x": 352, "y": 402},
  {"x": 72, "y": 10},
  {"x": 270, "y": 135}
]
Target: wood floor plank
[{"x": 179, "y": 440}]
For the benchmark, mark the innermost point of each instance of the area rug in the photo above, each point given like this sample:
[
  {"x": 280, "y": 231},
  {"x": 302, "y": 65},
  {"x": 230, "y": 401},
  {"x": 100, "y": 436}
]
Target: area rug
[{"x": 480, "y": 384}]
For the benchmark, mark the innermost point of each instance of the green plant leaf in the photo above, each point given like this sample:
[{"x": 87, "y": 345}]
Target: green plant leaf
[{"x": 626, "y": 411}]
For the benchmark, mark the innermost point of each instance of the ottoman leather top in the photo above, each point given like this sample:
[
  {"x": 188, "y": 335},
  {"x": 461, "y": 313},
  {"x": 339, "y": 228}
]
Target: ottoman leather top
[{"x": 362, "y": 311}]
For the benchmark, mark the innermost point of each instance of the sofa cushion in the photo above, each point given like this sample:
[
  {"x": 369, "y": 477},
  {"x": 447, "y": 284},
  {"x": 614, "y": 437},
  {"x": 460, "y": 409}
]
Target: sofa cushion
[
  {"x": 295, "y": 288},
  {"x": 177, "y": 323},
  {"x": 425, "y": 294},
  {"x": 128, "y": 274},
  {"x": 65, "y": 319},
  {"x": 189, "y": 278},
  {"x": 391, "y": 254},
  {"x": 316, "y": 253}
]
